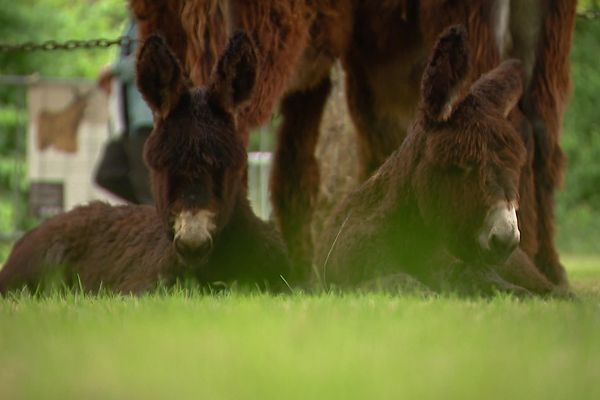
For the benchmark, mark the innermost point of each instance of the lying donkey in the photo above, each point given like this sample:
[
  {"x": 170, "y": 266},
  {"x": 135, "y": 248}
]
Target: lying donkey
[
  {"x": 443, "y": 207},
  {"x": 198, "y": 163}
]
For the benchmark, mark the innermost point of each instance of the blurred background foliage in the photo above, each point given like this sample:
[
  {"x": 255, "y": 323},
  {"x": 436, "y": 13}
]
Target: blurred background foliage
[
  {"x": 40, "y": 20},
  {"x": 37, "y": 21},
  {"x": 578, "y": 204}
]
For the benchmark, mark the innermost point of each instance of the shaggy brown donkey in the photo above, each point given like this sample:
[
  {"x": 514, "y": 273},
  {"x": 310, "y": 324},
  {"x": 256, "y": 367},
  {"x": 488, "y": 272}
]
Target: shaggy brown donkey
[
  {"x": 198, "y": 164},
  {"x": 448, "y": 195},
  {"x": 383, "y": 46}
]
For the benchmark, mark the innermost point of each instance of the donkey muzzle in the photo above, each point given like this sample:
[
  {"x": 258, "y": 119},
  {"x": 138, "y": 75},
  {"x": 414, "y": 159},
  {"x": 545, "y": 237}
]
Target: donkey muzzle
[
  {"x": 193, "y": 233},
  {"x": 500, "y": 234}
]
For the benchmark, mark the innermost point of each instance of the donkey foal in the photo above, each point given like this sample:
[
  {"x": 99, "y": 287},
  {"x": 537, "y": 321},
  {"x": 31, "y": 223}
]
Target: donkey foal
[
  {"x": 202, "y": 226},
  {"x": 443, "y": 207}
]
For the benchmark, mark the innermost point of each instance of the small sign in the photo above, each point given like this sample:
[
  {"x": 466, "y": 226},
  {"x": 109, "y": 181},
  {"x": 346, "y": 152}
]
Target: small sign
[{"x": 46, "y": 199}]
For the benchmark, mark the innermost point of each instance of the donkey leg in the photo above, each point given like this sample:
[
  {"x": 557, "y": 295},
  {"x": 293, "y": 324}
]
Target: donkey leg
[
  {"x": 381, "y": 102},
  {"x": 482, "y": 280},
  {"x": 520, "y": 270},
  {"x": 398, "y": 283},
  {"x": 295, "y": 173},
  {"x": 546, "y": 174},
  {"x": 545, "y": 29},
  {"x": 547, "y": 258}
]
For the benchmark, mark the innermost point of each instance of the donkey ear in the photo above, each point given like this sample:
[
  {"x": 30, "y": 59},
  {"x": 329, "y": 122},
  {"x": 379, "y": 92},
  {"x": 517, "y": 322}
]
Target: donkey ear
[
  {"x": 445, "y": 73},
  {"x": 502, "y": 87},
  {"x": 232, "y": 81},
  {"x": 159, "y": 76}
]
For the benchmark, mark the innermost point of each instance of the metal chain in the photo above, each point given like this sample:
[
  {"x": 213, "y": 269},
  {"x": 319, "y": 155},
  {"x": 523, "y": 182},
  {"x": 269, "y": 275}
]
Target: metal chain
[{"x": 51, "y": 45}]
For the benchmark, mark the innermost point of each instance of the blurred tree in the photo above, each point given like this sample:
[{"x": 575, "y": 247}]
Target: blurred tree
[
  {"x": 60, "y": 20},
  {"x": 583, "y": 5},
  {"x": 578, "y": 204}
]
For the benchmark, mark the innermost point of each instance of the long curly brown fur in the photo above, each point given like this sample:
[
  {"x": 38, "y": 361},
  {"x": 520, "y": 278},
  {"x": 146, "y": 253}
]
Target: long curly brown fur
[{"x": 383, "y": 46}]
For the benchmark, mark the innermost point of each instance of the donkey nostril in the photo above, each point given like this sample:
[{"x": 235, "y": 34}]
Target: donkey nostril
[
  {"x": 503, "y": 245},
  {"x": 193, "y": 249},
  {"x": 204, "y": 247}
]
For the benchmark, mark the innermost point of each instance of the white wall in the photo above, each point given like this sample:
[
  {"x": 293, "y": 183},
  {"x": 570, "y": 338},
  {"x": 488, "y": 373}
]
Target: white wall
[{"x": 74, "y": 170}]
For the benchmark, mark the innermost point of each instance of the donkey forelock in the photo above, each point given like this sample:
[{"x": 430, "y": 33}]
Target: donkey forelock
[{"x": 197, "y": 138}]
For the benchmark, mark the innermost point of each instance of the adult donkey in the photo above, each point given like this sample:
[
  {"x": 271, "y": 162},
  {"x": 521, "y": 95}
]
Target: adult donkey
[{"x": 383, "y": 46}]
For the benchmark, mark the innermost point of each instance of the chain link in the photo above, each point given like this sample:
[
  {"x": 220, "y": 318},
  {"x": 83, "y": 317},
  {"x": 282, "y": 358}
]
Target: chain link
[{"x": 51, "y": 45}]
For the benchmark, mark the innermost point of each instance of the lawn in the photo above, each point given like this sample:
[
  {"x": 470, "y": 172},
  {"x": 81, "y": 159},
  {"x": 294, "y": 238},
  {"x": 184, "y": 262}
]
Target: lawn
[{"x": 188, "y": 345}]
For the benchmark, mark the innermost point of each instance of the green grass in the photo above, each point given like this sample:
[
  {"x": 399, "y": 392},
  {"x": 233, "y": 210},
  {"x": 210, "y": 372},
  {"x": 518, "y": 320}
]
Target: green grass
[{"x": 185, "y": 345}]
